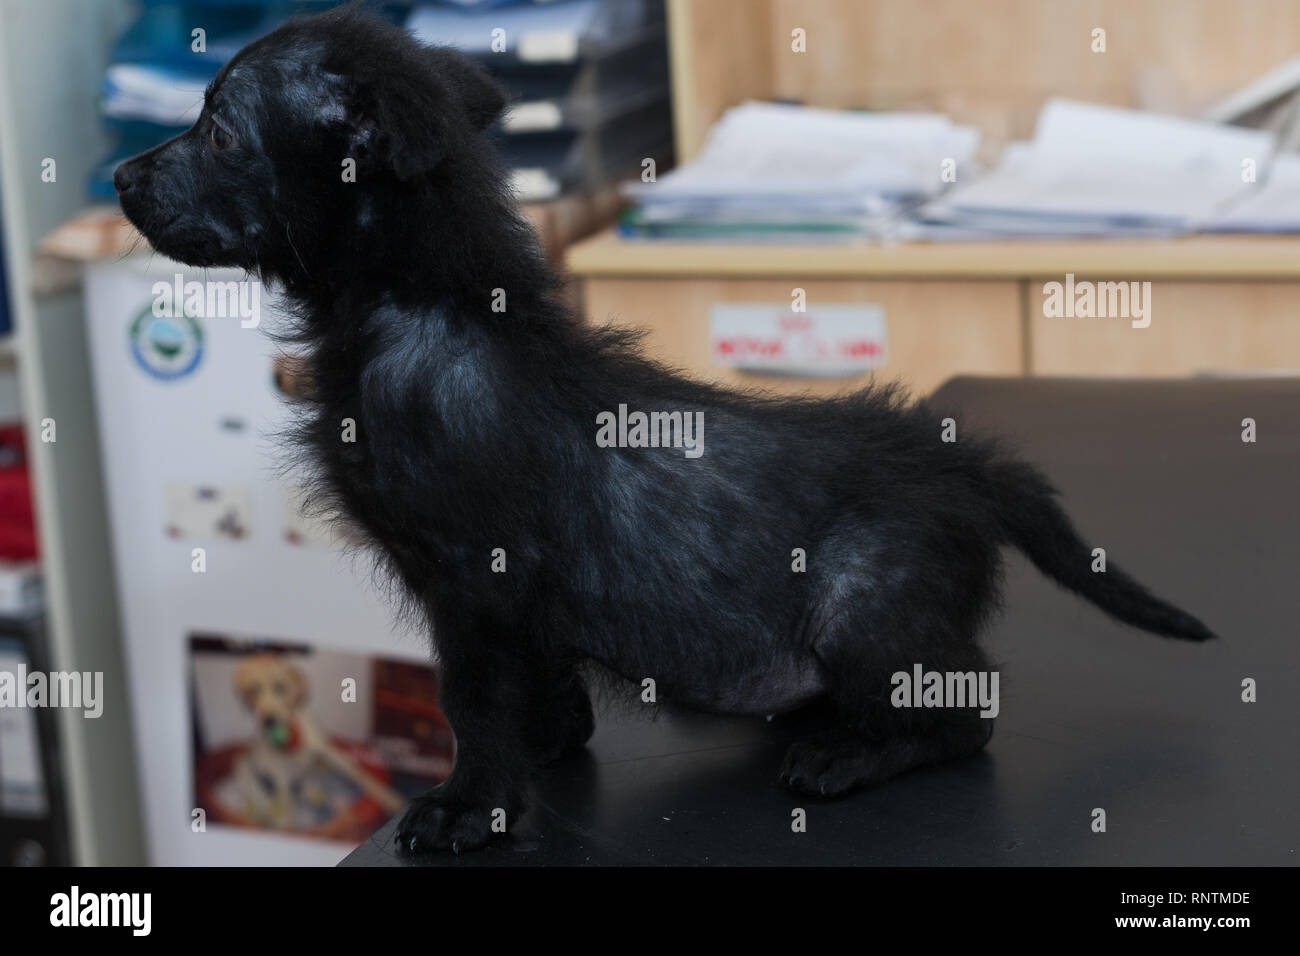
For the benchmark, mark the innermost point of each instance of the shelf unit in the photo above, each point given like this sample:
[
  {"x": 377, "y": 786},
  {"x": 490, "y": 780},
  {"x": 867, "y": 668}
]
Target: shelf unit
[
  {"x": 1224, "y": 304},
  {"x": 52, "y": 53}
]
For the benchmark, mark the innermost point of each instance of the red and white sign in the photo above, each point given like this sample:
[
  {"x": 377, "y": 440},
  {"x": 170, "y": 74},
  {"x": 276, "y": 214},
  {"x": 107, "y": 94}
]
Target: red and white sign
[{"x": 827, "y": 341}]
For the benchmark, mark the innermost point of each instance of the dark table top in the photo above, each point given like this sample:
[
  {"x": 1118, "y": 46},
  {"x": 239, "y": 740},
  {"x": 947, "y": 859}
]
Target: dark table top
[{"x": 1093, "y": 713}]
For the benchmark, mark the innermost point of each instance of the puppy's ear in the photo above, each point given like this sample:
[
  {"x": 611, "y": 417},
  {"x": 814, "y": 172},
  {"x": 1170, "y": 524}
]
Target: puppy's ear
[
  {"x": 403, "y": 130},
  {"x": 408, "y": 120},
  {"x": 395, "y": 124},
  {"x": 479, "y": 97}
]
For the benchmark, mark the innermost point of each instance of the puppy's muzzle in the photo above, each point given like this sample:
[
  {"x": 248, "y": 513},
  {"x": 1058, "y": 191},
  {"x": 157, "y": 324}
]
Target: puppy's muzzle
[{"x": 124, "y": 177}]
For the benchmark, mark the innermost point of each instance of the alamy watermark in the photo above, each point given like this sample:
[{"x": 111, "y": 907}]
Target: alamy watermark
[
  {"x": 67, "y": 689},
  {"x": 234, "y": 299},
  {"x": 133, "y": 911},
  {"x": 626, "y": 429},
  {"x": 1099, "y": 300},
  {"x": 955, "y": 689}
]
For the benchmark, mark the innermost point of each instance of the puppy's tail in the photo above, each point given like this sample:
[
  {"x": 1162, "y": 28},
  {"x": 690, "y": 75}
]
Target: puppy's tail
[{"x": 1035, "y": 523}]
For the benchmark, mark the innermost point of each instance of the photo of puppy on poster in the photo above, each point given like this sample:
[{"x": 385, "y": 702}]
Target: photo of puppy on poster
[{"x": 311, "y": 742}]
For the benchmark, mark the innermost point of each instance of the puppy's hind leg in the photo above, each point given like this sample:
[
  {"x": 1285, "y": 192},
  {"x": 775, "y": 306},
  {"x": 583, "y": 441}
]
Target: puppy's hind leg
[
  {"x": 566, "y": 721},
  {"x": 871, "y": 740}
]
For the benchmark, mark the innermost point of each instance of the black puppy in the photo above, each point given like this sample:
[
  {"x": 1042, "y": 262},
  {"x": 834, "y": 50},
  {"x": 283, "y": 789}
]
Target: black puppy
[{"x": 487, "y": 474}]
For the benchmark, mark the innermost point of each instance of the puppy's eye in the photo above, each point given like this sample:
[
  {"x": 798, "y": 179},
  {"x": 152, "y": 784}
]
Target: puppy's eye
[{"x": 220, "y": 138}]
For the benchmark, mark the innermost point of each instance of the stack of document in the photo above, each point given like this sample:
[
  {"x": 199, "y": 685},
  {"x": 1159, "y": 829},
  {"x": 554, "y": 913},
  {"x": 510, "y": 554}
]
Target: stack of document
[
  {"x": 779, "y": 172},
  {"x": 1103, "y": 171},
  {"x": 1272, "y": 205},
  {"x": 532, "y": 31},
  {"x": 152, "y": 94},
  {"x": 588, "y": 85},
  {"x": 1272, "y": 103}
]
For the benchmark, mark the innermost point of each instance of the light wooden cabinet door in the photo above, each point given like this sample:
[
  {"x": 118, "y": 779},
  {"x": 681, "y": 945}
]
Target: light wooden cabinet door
[
  {"x": 933, "y": 329},
  {"x": 1194, "y": 327}
]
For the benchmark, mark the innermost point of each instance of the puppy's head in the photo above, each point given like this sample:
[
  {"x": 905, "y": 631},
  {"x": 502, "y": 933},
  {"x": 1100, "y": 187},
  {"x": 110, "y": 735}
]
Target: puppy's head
[
  {"x": 271, "y": 688},
  {"x": 305, "y": 137}
]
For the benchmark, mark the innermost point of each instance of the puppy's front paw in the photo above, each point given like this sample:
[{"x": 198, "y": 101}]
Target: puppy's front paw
[{"x": 437, "y": 821}]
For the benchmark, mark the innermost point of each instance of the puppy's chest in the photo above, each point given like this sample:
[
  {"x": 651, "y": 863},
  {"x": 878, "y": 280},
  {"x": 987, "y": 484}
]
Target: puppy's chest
[
  {"x": 404, "y": 474},
  {"x": 424, "y": 446},
  {"x": 372, "y": 478}
]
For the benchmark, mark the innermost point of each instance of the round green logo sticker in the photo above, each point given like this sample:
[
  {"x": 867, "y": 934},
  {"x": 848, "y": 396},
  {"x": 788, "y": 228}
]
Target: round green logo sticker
[{"x": 168, "y": 347}]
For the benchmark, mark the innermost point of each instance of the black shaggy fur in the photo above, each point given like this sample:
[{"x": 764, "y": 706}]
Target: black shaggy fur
[{"x": 476, "y": 430}]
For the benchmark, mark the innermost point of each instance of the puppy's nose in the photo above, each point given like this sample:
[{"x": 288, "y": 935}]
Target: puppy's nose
[{"x": 122, "y": 177}]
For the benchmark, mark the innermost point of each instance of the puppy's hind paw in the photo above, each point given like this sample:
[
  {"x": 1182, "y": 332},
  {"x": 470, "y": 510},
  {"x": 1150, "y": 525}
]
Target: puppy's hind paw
[
  {"x": 434, "y": 822},
  {"x": 830, "y": 765}
]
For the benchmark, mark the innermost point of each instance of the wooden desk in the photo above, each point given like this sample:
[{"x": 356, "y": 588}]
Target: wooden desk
[{"x": 1218, "y": 303}]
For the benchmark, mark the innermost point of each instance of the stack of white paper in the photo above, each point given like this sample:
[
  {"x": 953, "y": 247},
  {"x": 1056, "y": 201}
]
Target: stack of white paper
[
  {"x": 1100, "y": 170},
  {"x": 775, "y": 171},
  {"x": 1272, "y": 205},
  {"x": 153, "y": 93}
]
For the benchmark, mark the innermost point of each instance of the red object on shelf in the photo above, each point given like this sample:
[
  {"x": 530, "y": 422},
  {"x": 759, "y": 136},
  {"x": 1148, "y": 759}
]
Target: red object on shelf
[{"x": 17, "y": 519}]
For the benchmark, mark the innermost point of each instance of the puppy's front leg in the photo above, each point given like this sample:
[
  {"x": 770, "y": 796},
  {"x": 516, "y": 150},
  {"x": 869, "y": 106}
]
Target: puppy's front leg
[{"x": 486, "y": 693}]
